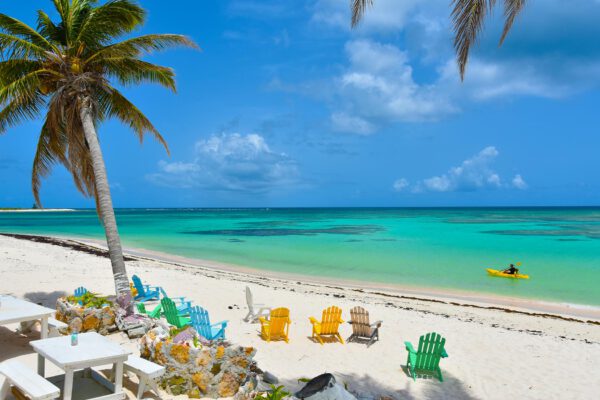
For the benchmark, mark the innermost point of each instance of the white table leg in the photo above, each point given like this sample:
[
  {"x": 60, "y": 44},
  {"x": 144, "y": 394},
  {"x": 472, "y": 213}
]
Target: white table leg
[
  {"x": 68, "y": 388},
  {"x": 4, "y": 389},
  {"x": 44, "y": 335},
  {"x": 119, "y": 377},
  {"x": 44, "y": 332}
]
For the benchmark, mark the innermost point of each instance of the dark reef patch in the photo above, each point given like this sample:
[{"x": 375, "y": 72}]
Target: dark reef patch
[
  {"x": 334, "y": 230},
  {"x": 547, "y": 232}
]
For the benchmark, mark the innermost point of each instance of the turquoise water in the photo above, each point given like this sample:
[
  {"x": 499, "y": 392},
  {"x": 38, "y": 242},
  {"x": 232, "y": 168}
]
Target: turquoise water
[{"x": 440, "y": 248}]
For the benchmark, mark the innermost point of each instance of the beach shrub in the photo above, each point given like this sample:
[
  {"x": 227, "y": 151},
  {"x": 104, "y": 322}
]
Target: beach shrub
[
  {"x": 90, "y": 300},
  {"x": 276, "y": 393}
]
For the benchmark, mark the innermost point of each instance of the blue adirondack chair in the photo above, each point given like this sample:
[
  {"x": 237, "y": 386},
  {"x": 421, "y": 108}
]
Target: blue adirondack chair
[
  {"x": 80, "y": 291},
  {"x": 201, "y": 323},
  {"x": 145, "y": 292}
]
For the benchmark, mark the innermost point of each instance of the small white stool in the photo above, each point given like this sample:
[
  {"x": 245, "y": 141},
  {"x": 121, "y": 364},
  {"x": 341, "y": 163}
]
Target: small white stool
[{"x": 147, "y": 371}]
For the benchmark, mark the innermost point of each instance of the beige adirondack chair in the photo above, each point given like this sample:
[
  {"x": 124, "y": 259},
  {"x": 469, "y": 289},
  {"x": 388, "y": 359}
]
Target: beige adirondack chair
[
  {"x": 362, "y": 329},
  {"x": 329, "y": 324}
]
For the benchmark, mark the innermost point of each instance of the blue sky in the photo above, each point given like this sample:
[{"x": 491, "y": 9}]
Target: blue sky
[{"x": 286, "y": 106}]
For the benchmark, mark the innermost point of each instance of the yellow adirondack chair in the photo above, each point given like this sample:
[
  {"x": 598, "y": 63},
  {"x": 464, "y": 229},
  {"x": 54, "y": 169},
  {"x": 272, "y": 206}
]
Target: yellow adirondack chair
[
  {"x": 329, "y": 325},
  {"x": 277, "y": 326}
]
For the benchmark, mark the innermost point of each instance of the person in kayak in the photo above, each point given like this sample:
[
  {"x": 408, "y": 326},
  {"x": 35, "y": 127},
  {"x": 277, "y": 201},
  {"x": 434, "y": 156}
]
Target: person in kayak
[{"x": 512, "y": 270}]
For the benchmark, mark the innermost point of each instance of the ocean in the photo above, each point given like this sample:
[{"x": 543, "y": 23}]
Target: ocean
[{"x": 440, "y": 248}]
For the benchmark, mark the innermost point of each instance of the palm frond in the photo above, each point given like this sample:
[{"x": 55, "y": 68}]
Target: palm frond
[
  {"x": 51, "y": 149},
  {"x": 12, "y": 46},
  {"x": 26, "y": 86},
  {"x": 14, "y": 68},
  {"x": 14, "y": 27},
  {"x": 114, "y": 104},
  {"x": 19, "y": 110},
  {"x": 467, "y": 17},
  {"x": 111, "y": 20},
  {"x": 47, "y": 28},
  {"x": 136, "y": 47},
  {"x": 358, "y": 10},
  {"x": 131, "y": 71},
  {"x": 512, "y": 8}
]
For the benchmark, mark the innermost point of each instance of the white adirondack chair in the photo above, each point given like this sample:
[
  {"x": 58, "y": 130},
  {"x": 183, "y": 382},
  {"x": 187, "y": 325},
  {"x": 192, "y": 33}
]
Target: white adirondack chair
[{"x": 252, "y": 306}]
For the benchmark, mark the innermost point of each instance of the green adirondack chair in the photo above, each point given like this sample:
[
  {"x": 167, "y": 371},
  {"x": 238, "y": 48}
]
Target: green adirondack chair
[
  {"x": 173, "y": 315},
  {"x": 141, "y": 307},
  {"x": 427, "y": 358}
]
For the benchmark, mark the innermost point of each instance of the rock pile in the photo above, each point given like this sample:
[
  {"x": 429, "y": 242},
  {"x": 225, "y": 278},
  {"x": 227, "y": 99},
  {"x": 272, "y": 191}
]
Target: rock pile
[
  {"x": 83, "y": 319},
  {"x": 200, "y": 369}
]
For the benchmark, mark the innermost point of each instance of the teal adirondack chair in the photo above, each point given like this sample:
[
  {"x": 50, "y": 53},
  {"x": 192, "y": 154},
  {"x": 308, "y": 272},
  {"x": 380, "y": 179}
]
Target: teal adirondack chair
[
  {"x": 202, "y": 325},
  {"x": 152, "y": 314},
  {"x": 172, "y": 315},
  {"x": 80, "y": 291},
  {"x": 427, "y": 358}
]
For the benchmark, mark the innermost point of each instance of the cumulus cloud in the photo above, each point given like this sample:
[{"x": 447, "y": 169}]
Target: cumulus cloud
[
  {"x": 474, "y": 173},
  {"x": 386, "y": 16},
  {"x": 400, "y": 184},
  {"x": 230, "y": 162},
  {"x": 378, "y": 87}
]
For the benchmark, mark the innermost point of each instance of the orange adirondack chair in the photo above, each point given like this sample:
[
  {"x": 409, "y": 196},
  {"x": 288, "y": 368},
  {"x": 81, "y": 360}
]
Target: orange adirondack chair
[
  {"x": 329, "y": 325},
  {"x": 277, "y": 326}
]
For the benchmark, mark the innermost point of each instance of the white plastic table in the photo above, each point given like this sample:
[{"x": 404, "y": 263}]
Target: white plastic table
[
  {"x": 92, "y": 350},
  {"x": 14, "y": 310}
]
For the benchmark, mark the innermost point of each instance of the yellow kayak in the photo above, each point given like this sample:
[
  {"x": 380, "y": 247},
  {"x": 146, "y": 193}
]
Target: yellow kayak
[{"x": 495, "y": 272}]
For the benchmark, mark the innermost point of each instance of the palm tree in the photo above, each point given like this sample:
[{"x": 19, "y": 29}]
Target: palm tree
[
  {"x": 467, "y": 16},
  {"x": 65, "y": 70}
]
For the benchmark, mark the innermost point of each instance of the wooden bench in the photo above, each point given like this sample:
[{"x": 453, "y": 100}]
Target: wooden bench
[
  {"x": 26, "y": 381},
  {"x": 147, "y": 372}
]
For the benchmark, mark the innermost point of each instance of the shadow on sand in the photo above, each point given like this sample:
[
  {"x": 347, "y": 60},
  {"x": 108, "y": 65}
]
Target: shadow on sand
[
  {"x": 424, "y": 388},
  {"x": 46, "y": 299}
]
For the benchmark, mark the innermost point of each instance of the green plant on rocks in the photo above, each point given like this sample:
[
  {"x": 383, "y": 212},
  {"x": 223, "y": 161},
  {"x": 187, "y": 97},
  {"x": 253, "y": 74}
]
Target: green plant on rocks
[
  {"x": 90, "y": 300},
  {"x": 276, "y": 393}
]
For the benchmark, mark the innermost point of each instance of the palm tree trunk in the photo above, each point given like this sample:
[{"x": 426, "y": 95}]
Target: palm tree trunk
[{"x": 104, "y": 202}]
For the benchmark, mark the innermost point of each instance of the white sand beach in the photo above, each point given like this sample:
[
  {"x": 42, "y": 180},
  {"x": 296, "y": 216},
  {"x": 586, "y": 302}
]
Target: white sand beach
[{"x": 493, "y": 353}]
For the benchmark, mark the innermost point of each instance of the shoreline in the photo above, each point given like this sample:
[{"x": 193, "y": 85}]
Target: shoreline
[
  {"x": 27, "y": 210},
  {"x": 42, "y": 269},
  {"x": 539, "y": 308}
]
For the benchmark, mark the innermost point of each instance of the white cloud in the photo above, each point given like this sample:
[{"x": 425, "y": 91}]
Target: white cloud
[
  {"x": 231, "y": 162},
  {"x": 385, "y": 16},
  {"x": 400, "y": 185},
  {"x": 474, "y": 173},
  {"x": 378, "y": 87},
  {"x": 487, "y": 79},
  {"x": 519, "y": 182},
  {"x": 343, "y": 122}
]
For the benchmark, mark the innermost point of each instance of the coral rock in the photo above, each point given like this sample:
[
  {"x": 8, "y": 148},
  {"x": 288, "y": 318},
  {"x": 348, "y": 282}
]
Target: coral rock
[
  {"x": 181, "y": 353},
  {"x": 229, "y": 385}
]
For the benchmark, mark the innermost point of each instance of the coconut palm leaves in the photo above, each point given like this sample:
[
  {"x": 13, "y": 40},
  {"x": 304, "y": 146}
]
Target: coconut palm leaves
[
  {"x": 467, "y": 17},
  {"x": 65, "y": 71},
  {"x": 51, "y": 70}
]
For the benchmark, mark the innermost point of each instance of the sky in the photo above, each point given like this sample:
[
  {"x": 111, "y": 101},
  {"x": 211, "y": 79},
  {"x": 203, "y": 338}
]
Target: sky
[{"x": 286, "y": 106}]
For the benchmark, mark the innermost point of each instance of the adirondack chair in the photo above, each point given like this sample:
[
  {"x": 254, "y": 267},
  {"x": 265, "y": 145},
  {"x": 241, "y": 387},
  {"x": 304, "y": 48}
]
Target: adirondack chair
[
  {"x": 361, "y": 328},
  {"x": 155, "y": 313},
  {"x": 202, "y": 325},
  {"x": 329, "y": 325},
  {"x": 277, "y": 326},
  {"x": 145, "y": 292},
  {"x": 172, "y": 314},
  {"x": 252, "y": 314},
  {"x": 80, "y": 291},
  {"x": 427, "y": 358}
]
